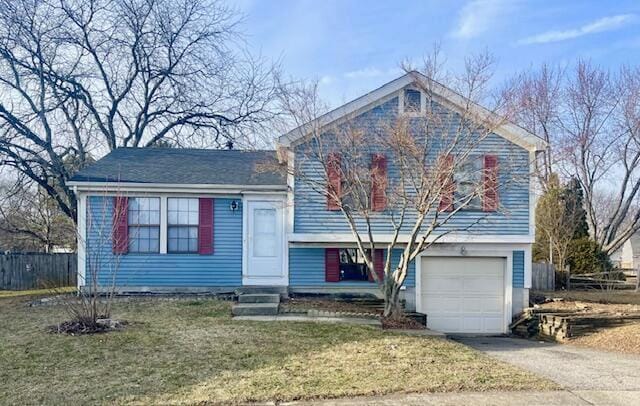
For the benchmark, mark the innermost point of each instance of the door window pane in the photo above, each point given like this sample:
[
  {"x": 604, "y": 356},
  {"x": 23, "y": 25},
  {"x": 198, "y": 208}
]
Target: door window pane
[{"x": 264, "y": 233}]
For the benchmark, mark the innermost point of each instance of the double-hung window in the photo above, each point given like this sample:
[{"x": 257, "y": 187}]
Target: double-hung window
[
  {"x": 468, "y": 180},
  {"x": 143, "y": 219},
  {"x": 182, "y": 225}
]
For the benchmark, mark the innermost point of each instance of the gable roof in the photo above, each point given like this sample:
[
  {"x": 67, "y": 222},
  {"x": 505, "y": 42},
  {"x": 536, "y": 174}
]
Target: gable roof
[
  {"x": 183, "y": 166},
  {"x": 510, "y": 131}
]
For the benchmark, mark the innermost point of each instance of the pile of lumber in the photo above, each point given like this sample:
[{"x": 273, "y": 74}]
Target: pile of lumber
[{"x": 561, "y": 326}]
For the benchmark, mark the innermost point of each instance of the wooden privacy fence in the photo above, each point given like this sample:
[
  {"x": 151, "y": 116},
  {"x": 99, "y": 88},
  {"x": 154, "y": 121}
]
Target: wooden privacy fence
[
  {"x": 23, "y": 271},
  {"x": 543, "y": 276}
]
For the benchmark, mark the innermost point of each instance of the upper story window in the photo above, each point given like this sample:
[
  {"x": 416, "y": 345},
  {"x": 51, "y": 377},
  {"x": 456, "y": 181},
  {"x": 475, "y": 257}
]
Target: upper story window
[
  {"x": 352, "y": 265},
  {"x": 412, "y": 101},
  {"x": 143, "y": 217},
  {"x": 468, "y": 183},
  {"x": 182, "y": 224}
]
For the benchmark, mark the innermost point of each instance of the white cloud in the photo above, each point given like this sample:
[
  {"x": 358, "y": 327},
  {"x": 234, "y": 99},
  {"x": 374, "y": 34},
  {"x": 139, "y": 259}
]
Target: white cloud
[
  {"x": 326, "y": 80},
  {"x": 372, "y": 72},
  {"x": 478, "y": 16},
  {"x": 600, "y": 25}
]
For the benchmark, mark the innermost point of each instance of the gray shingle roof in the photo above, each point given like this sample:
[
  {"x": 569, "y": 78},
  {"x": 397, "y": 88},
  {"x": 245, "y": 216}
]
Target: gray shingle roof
[{"x": 184, "y": 166}]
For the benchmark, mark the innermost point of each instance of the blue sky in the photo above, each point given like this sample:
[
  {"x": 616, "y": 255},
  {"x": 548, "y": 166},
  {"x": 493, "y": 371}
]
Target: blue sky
[{"x": 353, "y": 46}]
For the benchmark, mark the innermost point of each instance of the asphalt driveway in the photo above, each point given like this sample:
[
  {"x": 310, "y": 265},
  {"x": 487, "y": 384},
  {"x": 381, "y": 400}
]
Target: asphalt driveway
[{"x": 574, "y": 368}]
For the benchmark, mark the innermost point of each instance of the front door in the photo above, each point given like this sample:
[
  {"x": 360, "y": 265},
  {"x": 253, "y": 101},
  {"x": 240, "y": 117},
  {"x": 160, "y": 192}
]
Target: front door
[{"x": 265, "y": 243}]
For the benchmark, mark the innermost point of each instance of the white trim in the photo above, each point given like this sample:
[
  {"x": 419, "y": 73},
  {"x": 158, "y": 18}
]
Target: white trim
[
  {"x": 291, "y": 179},
  {"x": 510, "y": 131},
  {"x": 174, "y": 187},
  {"x": 386, "y": 238},
  {"x": 163, "y": 224},
  {"x": 252, "y": 281},
  {"x": 423, "y": 103},
  {"x": 533, "y": 193},
  {"x": 82, "y": 238},
  {"x": 475, "y": 251},
  {"x": 528, "y": 264}
]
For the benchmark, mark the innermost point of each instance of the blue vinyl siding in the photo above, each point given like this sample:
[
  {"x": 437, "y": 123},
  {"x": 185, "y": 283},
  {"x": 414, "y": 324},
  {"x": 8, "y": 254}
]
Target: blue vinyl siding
[
  {"x": 306, "y": 268},
  {"x": 311, "y": 215},
  {"x": 518, "y": 269},
  {"x": 222, "y": 268}
]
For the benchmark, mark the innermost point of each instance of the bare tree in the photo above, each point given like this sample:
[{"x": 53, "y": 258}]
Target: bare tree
[
  {"x": 434, "y": 156},
  {"x": 533, "y": 97},
  {"x": 81, "y": 77},
  {"x": 591, "y": 117},
  {"x": 30, "y": 220}
]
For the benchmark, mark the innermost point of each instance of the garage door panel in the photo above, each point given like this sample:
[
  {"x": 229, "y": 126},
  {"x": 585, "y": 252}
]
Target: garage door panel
[
  {"x": 448, "y": 324},
  {"x": 493, "y": 324},
  {"x": 493, "y": 305},
  {"x": 463, "y": 295},
  {"x": 442, "y": 304},
  {"x": 482, "y": 285},
  {"x": 444, "y": 284}
]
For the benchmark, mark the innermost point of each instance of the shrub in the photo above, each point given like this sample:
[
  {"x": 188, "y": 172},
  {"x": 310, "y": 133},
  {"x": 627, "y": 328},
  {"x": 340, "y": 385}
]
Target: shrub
[{"x": 586, "y": 257}]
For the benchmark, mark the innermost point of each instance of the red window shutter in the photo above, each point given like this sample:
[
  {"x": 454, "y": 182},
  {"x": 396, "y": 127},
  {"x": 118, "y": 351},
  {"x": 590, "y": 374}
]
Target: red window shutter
[
  {"x": 490, "y": 183},
  {"x": 120, "y": 237},
  {"x": 334, "y": 180},
  {"x": 378, "y": 182},
  {"x": 378, "y": 259},
  {"x": 448, "y": 185},
  {"x": 332, "y": 265},
  {"x": 205, "y": 226}
]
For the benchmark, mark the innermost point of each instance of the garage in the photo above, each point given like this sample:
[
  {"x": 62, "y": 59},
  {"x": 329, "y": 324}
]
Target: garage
[{"x": 463, "y": 294}]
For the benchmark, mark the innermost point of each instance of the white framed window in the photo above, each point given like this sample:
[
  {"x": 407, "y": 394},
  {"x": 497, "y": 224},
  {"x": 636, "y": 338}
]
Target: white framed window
[
  {"x": 411, "y": 102},
  {"x": 143, "y": 217},
  {"x": 182, "y": 225},
  {"x": 468, "y": 180}
]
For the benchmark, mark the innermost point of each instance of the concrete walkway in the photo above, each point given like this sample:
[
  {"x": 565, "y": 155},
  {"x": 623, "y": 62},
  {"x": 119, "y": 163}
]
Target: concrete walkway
[
  {"x": 304, "y": 318},
  {"x": 574, "y": 368},
  {"x": 558, "y": 398}
]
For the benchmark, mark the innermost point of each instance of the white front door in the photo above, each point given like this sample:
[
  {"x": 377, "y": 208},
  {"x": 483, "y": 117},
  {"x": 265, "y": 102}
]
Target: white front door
[{"x": 264, "y": 243}]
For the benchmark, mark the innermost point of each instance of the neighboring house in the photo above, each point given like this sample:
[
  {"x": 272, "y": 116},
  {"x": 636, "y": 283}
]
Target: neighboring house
[
  {"x": 628, "y": 257},
  {"x": 215, "y": 220}
]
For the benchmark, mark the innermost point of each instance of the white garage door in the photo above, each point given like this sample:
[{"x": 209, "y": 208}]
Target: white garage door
[{"x": 463, "y": 295}]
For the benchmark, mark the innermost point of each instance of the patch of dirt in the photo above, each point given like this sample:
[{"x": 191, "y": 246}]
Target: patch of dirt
[
  {"x": 329, "y": 305},
  {"x": 75, "y": 327},
  {"x": 592, "y": 296},
  {"x": 400, "y": 323},
  {"x": 623, "y": 339}
]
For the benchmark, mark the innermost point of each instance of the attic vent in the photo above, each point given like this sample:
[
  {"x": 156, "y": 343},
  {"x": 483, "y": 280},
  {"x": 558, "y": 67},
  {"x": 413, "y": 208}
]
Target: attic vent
[{"x": 412, "y": 101}]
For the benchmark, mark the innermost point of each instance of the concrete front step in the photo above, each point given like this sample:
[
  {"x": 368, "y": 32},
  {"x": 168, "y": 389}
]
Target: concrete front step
[
  {"x": 259, "y": 298},
  {"x": 255, "y": 309}
]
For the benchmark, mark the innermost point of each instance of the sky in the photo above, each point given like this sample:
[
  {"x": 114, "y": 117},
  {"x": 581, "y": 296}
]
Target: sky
[{"x": 354, "y": 46}]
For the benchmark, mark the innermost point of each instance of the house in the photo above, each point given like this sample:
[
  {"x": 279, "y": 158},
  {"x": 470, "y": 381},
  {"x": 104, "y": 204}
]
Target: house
[
  {"x": 175, "y": 220},
  {"x": 628, "y": 257}
]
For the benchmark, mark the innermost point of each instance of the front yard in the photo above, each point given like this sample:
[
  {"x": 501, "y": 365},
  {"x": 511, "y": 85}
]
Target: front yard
[{"x": 191, "y": 351}]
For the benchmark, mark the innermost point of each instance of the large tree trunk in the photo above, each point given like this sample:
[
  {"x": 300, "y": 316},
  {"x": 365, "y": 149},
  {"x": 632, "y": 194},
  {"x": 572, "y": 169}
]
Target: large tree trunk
[{"x": 392, "y": 306}]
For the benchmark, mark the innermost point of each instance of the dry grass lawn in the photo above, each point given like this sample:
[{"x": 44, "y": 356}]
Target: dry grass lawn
[
  {"x": 188, "y": 352},
  {"x": 623, "y": 339}
]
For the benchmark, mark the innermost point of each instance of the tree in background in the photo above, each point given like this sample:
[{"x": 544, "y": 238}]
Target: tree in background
[
  {"x": 30, "y": 220},
  {"x": 591, "y": 117},
  {"x": 82, "y": 77},
  {"x": 560, "y": 219}
]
